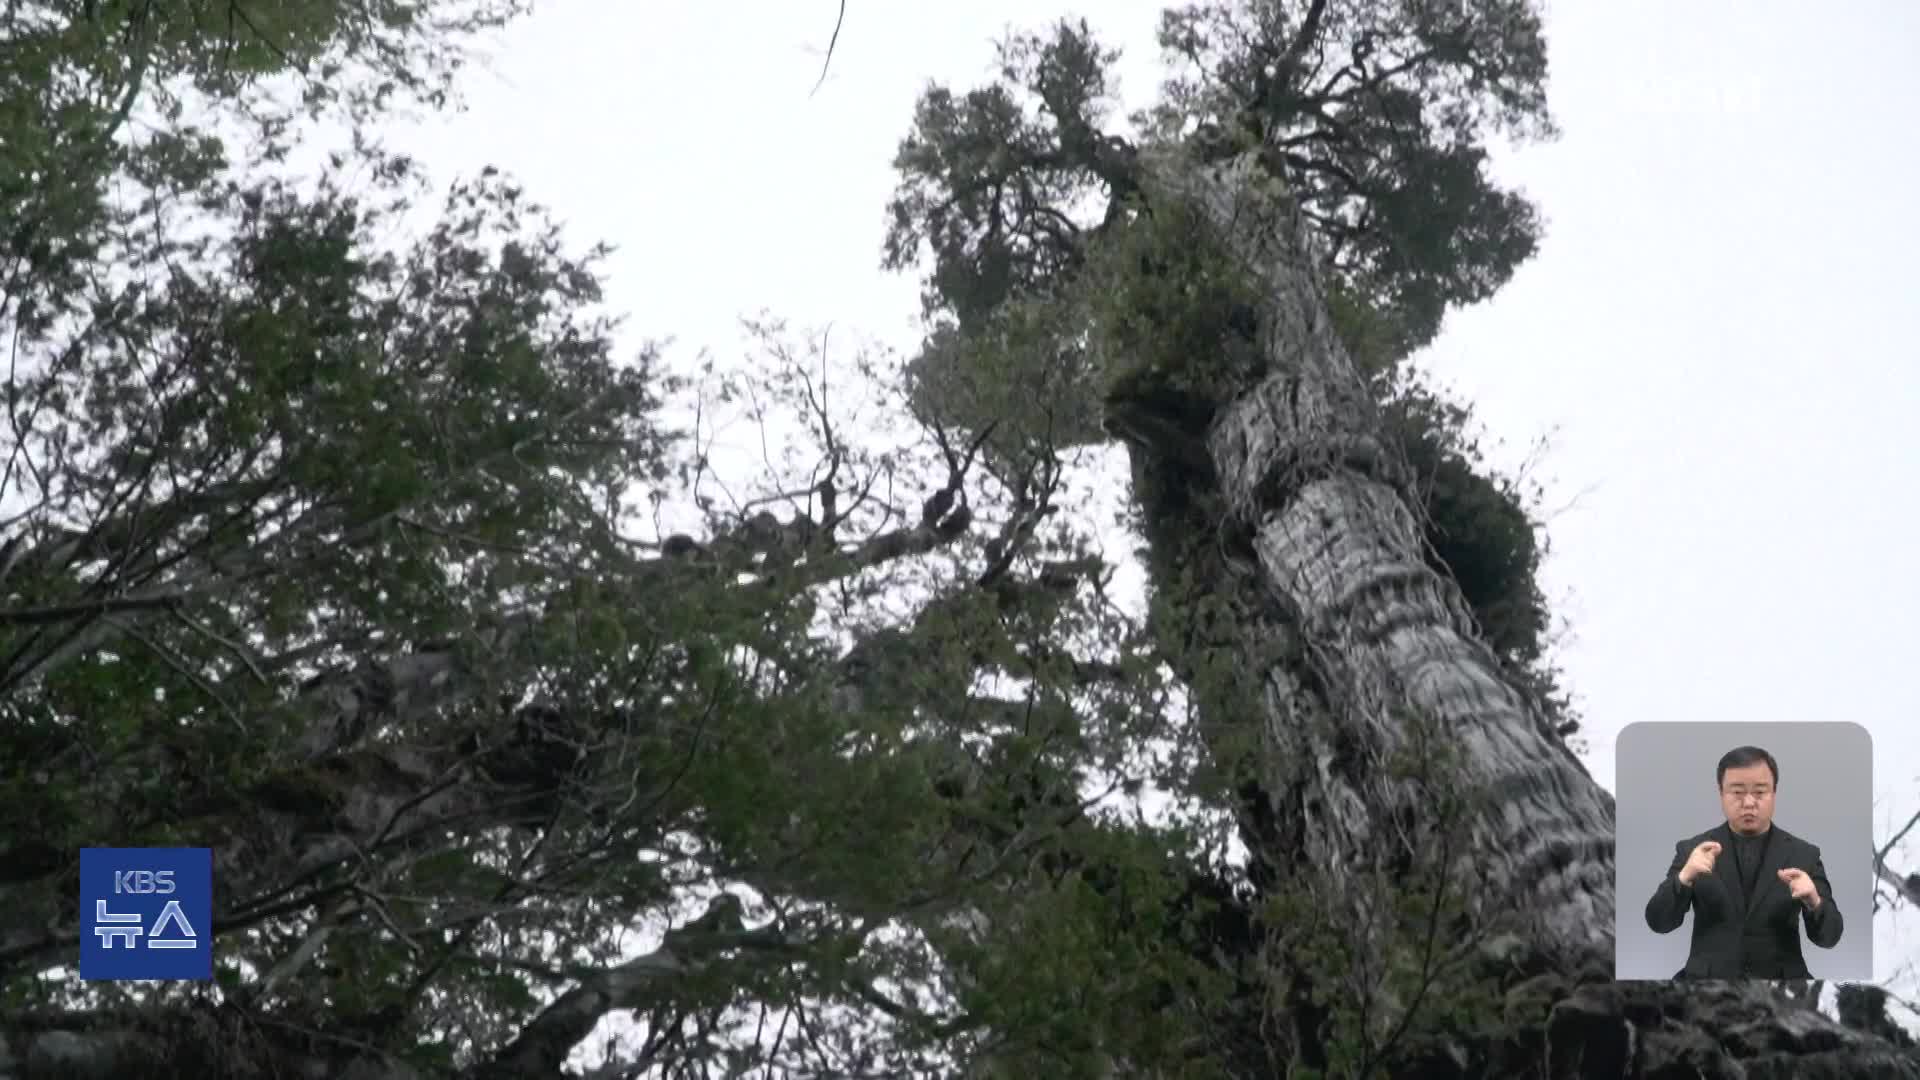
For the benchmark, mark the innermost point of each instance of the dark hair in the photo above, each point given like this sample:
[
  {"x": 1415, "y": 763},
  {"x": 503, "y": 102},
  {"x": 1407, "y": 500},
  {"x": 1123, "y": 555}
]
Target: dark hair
[{"x": 1745, "y": 755}]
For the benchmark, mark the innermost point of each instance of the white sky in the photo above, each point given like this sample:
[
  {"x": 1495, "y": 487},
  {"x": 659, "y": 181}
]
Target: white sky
[{"x": 1715, "y": 335}]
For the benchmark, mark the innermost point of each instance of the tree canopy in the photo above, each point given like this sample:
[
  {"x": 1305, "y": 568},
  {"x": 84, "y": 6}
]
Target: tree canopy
[
  {"x": 1378, "y": 117},
  {"x": 340, "y": 545},
  {"x": 332, "y": 551}
]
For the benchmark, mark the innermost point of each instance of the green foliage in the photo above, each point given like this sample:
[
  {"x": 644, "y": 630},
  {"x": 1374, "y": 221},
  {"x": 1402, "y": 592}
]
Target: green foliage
[
  {"x": 1094, "y": 965},
  {"x": 334, "y": 554},
  {"x": 988, "y": 178},
  {"x": 1482, "y": 529},
  {"x": 1055, "y": 327},
  {"x": 1372, "y": 335},
  {"x": 93, "y": 90},
  {"x": 1387, "y": 941},
  {"x": 328, "y": 457},
  {"x": 1023, "y": 373},
  {"x": 1377, "y": 115},
  {"x": 1160, "y": 292},
  {"x": 317, "y": 409},
  {"x": 294, "y": 447},
  {"x": 1168, "y": 308},
  {"x": 1380, "y": 113},
  {"x": 1478, "y": 526},
  {"x": 222, "y": 50}
]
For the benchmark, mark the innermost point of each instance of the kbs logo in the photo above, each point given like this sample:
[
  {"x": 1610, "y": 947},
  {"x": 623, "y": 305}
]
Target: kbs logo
[
  {"x": 143, "y": 881},
  {"x": 146, "y": 913}
]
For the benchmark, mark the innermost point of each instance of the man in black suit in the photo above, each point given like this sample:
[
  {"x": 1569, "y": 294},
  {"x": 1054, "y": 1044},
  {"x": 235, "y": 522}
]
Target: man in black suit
[{"x": 1746, "y": 909}]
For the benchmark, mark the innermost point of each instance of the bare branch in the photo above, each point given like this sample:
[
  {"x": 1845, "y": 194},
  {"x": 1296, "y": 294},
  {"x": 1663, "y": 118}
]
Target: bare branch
[{"x": 831, "y": 43}]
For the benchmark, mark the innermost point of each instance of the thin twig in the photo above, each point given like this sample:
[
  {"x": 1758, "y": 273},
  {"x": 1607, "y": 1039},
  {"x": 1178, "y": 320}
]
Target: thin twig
[
  {"x": 831, "y": 42},
  {"x": 241, "y": 652},
  {"x": 1880, "y": 857}
]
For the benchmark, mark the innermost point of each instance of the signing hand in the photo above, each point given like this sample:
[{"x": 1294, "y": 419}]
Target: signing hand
[
  {"x": 1700, "y": 862},
  {"x": 1801, "y": 886}
]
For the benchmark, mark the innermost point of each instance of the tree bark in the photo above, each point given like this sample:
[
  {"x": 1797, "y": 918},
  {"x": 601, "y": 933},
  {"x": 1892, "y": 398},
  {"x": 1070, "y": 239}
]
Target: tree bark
[{"x": 1319, "y": 502}]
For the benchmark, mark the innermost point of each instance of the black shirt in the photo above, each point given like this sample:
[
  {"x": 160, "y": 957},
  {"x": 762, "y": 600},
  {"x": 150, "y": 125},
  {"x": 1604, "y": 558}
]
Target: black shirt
[{"x": 1748, "y": 851}]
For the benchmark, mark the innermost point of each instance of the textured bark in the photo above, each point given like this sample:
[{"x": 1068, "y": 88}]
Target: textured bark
[
  {"x": 1309, "y": 483},
  {"x": 1303, "y": 468}
]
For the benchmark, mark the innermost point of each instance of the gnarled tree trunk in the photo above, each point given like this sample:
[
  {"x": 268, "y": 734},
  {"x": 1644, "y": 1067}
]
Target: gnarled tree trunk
[{"x": 1380, "y": 644}]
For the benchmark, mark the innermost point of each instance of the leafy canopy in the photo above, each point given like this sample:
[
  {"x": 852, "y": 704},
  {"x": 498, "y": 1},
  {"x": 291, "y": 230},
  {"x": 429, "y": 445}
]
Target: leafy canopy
[
  {"x": 1054, "y": 293},
  {"x": 331, "y": 544}
]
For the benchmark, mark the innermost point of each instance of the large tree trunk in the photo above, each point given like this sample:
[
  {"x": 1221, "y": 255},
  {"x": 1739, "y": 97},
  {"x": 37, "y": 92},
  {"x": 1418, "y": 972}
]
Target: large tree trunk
[{"x": 1379, "y": 645}]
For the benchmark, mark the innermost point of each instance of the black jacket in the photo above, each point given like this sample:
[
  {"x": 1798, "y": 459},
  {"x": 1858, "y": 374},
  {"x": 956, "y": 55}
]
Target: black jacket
[{"x": 1745, "y": 937}]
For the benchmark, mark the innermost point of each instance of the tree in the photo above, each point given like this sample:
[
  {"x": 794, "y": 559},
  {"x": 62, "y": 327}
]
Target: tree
[
  {"x": 1272, "y": 241},
  {"x": 321, "y": 551},
  {"x": 332, "y": 550},
  {"x": 327, "y": 568},
  {"x": 79, "y": 74}
]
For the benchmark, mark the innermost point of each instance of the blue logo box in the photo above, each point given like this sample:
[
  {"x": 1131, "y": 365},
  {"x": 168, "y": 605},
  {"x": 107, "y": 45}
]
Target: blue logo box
[{"x": 146, "y": 913}]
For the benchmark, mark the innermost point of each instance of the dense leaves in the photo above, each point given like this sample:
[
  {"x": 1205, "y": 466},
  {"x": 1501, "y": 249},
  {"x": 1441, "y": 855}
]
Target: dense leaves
[
  {"x": 333, "y": 545},
  {"x": 100, "y": 93},
  {"x": 336, "y": 539},
  {"x": 1128, "y": 295},
  {"x": 1028, "y": 213},
  {"x": 1379, "y": 114},
  {"x": 327, "y": 564}
]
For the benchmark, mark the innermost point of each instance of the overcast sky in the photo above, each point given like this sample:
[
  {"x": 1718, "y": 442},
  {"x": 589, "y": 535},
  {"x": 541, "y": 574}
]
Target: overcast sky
[{"x": 1716, "y": 337}]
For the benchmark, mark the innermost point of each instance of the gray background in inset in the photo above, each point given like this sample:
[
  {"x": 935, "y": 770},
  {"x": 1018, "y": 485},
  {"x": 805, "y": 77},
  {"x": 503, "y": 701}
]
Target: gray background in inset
[{"x": 1665, "y": 793}]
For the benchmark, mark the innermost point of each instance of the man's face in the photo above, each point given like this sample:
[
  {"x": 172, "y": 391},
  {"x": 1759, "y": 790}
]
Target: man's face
[{"x": 1746, "y": 795}]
